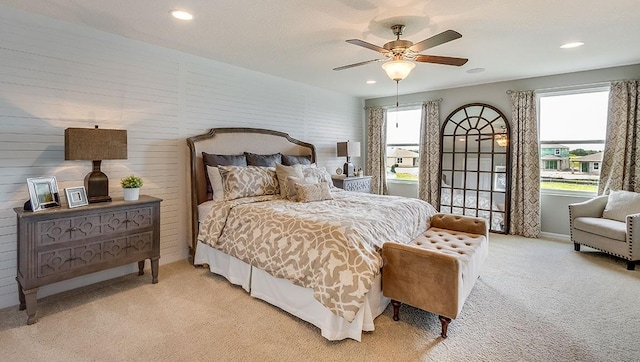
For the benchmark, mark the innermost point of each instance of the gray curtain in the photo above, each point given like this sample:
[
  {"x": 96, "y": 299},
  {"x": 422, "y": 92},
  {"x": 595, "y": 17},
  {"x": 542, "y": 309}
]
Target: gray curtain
[
  {"x": 621, "y": 159},
  {"x": 376, "y": 149},
  {"x": 525, "y": 166},
  {"x": 429, "y": 187}
]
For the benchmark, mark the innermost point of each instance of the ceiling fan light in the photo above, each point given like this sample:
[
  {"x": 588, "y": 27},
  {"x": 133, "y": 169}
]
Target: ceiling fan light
[
  {"x": 398, "y": 69},
  {"x": 502, "y": 140}
]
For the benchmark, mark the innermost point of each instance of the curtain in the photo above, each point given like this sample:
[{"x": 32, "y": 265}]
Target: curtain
[
  {"x": 429, "y": 187},
  {"x": 525, "y": 166},
  {"x": 376, "y": 149},
  {"x": 621, "y": 159}
]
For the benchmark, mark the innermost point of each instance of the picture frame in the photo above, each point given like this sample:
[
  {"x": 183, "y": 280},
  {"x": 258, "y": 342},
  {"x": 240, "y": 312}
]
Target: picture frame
[
  {"x": 76, "y": 196},
  {"x": 43, "y": 192}
]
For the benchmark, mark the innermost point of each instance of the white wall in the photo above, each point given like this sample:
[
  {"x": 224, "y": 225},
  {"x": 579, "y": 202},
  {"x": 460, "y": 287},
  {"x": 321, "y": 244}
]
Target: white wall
[
  {"x": 56, "y": 75},
  {"x": 555, "y": 211}
]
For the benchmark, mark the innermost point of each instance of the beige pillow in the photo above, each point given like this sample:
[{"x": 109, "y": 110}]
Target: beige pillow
[
  {"x": 283, "y": 172},
  {"x": 320, "y": 174},
  {"x": 216, "y": 183},
  {"x": 248, "y": 181},
  {"x": 620, "y": 204},
  {"x": 292, "y": 181},
  {"x": 313, "y": 192}
]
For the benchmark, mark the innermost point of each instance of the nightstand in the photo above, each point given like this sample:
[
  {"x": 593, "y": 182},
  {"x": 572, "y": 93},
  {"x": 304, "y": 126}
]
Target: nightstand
[
  {"x": 61, "y": 243},
  {"x": 355, "y": 183}
]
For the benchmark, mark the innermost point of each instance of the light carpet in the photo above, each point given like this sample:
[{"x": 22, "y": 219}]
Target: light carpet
[{"x": 537, "y": 300}]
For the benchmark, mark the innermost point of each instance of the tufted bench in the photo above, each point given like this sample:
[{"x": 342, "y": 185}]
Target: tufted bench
[{"x": 437, "y": 270}]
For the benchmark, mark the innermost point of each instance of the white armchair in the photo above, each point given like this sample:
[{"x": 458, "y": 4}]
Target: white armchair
[{"x": 613, "y": 233}]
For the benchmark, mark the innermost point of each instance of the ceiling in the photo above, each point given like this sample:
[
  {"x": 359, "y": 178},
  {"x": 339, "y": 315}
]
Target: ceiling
[{"x": 303, "y": 40}]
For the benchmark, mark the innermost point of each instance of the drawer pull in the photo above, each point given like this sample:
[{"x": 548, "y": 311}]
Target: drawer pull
[
  {"x": 127, "y": 220},
  {"x": 72, "y": 229}
]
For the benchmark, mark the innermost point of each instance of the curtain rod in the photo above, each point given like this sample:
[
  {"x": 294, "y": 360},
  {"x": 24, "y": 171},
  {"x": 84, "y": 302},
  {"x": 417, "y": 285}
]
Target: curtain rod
[
  {"x": 568, "y": 87},
  {"x": 387, "y": 106}
]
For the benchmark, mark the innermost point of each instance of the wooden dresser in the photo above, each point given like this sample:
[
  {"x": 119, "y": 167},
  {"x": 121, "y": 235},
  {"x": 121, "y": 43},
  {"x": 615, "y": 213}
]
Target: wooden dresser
[
  {"x": 355, "y": 183},
  {"x": 62, "y": 243}
]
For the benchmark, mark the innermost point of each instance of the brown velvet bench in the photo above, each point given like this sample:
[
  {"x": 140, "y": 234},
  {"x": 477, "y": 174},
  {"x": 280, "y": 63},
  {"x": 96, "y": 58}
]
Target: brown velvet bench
[{"x": 436, "y": 271}]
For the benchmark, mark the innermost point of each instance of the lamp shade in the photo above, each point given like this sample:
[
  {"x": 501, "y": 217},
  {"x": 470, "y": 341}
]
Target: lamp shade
[
  {"x": 348, "y": 149},
  {"x": 398, "y": 69},
  {"x": 95, "y": 144}
]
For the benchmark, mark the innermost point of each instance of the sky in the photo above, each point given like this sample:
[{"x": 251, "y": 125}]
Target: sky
[{"x": 574, "y": 117}]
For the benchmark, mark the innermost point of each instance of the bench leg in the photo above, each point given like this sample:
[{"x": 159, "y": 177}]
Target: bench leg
[
  {"x": 445, "y": 325},
  {"x": 396, "y": 309}
]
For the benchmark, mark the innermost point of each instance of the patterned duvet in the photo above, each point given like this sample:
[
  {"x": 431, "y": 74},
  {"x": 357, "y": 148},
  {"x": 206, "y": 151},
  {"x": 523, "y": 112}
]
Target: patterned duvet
[{"x": 329, "y": 246}]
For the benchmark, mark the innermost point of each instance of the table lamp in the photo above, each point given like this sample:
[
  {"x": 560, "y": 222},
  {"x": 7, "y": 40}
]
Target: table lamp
[
  {"x": 348, "y": 149},
  {"x": 95, "y": 144}
]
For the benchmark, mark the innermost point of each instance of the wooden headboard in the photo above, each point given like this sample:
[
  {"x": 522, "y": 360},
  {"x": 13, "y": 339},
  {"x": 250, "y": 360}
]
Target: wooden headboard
[{"x": 235, "y": 141}]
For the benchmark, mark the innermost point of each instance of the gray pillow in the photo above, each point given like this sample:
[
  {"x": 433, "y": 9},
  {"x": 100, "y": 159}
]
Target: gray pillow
[
  {"x": 254, "y": 159},
  {"x": 289, "y": 160}
]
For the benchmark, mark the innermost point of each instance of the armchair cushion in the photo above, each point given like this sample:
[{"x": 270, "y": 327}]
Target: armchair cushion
[
  {"x": 620, "y": 204},
  {"x": 608, "y": 228}
]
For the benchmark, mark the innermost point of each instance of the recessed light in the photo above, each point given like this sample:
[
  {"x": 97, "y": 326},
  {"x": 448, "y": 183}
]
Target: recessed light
[
  {"x": 371, "y": 82},
  {"x": 475, "y": 70},
  {"x": 181, "y": 14},
  {"x": 574, "y": 44}
]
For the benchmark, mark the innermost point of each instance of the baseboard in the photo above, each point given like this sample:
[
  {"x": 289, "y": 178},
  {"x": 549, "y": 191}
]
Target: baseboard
[{"x": 557, "y": 237}]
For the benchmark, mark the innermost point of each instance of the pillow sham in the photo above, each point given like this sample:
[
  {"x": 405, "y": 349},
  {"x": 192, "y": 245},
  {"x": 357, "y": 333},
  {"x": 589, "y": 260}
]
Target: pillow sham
[
  {"x": 283, "y": 172},
  {"x": 290, "y": 160},
  {"x": 620, "y": 204},
  {"x": 213, "y": 160},
  {"x": 254, "y": 159},
  {"x": 215, "y": 183},
  {"x": 320, "y": 174},
  {"x": 248, "y": 181},
  {"x": 291, "y": 185},
  {"x": 313, "y": 192}
]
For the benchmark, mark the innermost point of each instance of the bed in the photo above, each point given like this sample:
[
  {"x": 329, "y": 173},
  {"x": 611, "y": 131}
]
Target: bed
[{"x": 317, "y": 260}]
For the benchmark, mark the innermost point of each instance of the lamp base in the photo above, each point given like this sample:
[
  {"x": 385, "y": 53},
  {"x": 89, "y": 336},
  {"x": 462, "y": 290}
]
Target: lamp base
[
  {"x": 97, "y": 185},
  {"x": 348, "y": 169}
]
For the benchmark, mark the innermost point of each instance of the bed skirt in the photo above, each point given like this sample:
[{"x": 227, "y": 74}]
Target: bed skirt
[{"x": 292, "y": 298}]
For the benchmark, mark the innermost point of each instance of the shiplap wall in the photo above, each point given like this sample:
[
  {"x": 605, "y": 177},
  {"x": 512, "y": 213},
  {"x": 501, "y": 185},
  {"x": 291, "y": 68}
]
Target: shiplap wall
[{"x": 55, "y": 75}]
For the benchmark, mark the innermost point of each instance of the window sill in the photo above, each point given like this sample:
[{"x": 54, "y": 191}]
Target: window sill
[
  {"x": 587, "y": 194},
  {"x": 401, "y": 181}
]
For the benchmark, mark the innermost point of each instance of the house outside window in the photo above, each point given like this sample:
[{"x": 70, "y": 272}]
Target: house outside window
[
  {"x": 572, "y": 128},
  {"x": 403, "y": 138}
]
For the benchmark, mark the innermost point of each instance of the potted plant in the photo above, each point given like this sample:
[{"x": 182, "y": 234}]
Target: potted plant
[{"x": 131, "y": 185}]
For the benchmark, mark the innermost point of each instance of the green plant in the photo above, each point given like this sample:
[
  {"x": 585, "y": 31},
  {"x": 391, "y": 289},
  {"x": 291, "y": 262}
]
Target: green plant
[{"x": 131, "y": 182}]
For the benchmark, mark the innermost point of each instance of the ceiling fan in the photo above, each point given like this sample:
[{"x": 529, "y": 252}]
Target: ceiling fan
[{"x": 399, "y": 51}]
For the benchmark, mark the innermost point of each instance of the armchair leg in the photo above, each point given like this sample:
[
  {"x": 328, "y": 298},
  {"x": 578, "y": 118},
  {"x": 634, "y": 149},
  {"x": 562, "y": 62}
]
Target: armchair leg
[
  {"x": 576, "y": 246},
  {"x": 631, "y": 265}
]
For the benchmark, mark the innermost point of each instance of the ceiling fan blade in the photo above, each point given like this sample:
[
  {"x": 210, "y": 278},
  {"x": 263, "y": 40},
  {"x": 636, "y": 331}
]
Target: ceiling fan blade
[
  {"x": 445, "y": 36},
  {"x": 357, "y": 64},
  {"x": 441, "y": 60},
  {"x": 364, "y": 44}
]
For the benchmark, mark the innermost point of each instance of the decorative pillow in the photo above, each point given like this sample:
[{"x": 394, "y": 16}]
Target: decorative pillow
[
  {"x": 319, "y": 174},
  {"x": 210, "y": 159},
  {"x": 313, "y": 192},
  {"x": 254, "y": 159},
  {"x": 286, "y": 171},
  {"x": 215, "y": 183},
  {"x": 248, "y": 181},
  {"x": 620, "y": 204},
  {"x": 291, "y": 185},
  {"x": 289, "y": 160}
]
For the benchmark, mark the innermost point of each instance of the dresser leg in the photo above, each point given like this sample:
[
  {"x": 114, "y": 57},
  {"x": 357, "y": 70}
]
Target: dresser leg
[
  {"x": 154, "y": 271},
  {"x": 141, "y": 267},
  {"x": 31, "y": 304}
]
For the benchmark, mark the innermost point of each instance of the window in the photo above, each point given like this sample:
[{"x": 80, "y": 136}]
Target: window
[
  {"x": 403, "y": 139},
  {"x": 572, "y": 132}
]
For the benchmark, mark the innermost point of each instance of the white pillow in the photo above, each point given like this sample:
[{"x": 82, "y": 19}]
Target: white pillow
[
  {"x": 314, "y": 192},
  {"x": 620, "y": 204},
  {"x": 216, "y": 183}
]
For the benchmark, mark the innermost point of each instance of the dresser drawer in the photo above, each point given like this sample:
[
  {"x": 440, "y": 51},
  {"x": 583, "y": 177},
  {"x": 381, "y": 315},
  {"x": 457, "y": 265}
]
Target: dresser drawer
[
  {"x": 62, "y": 230},
  {"x": 69, "y": 258}
]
